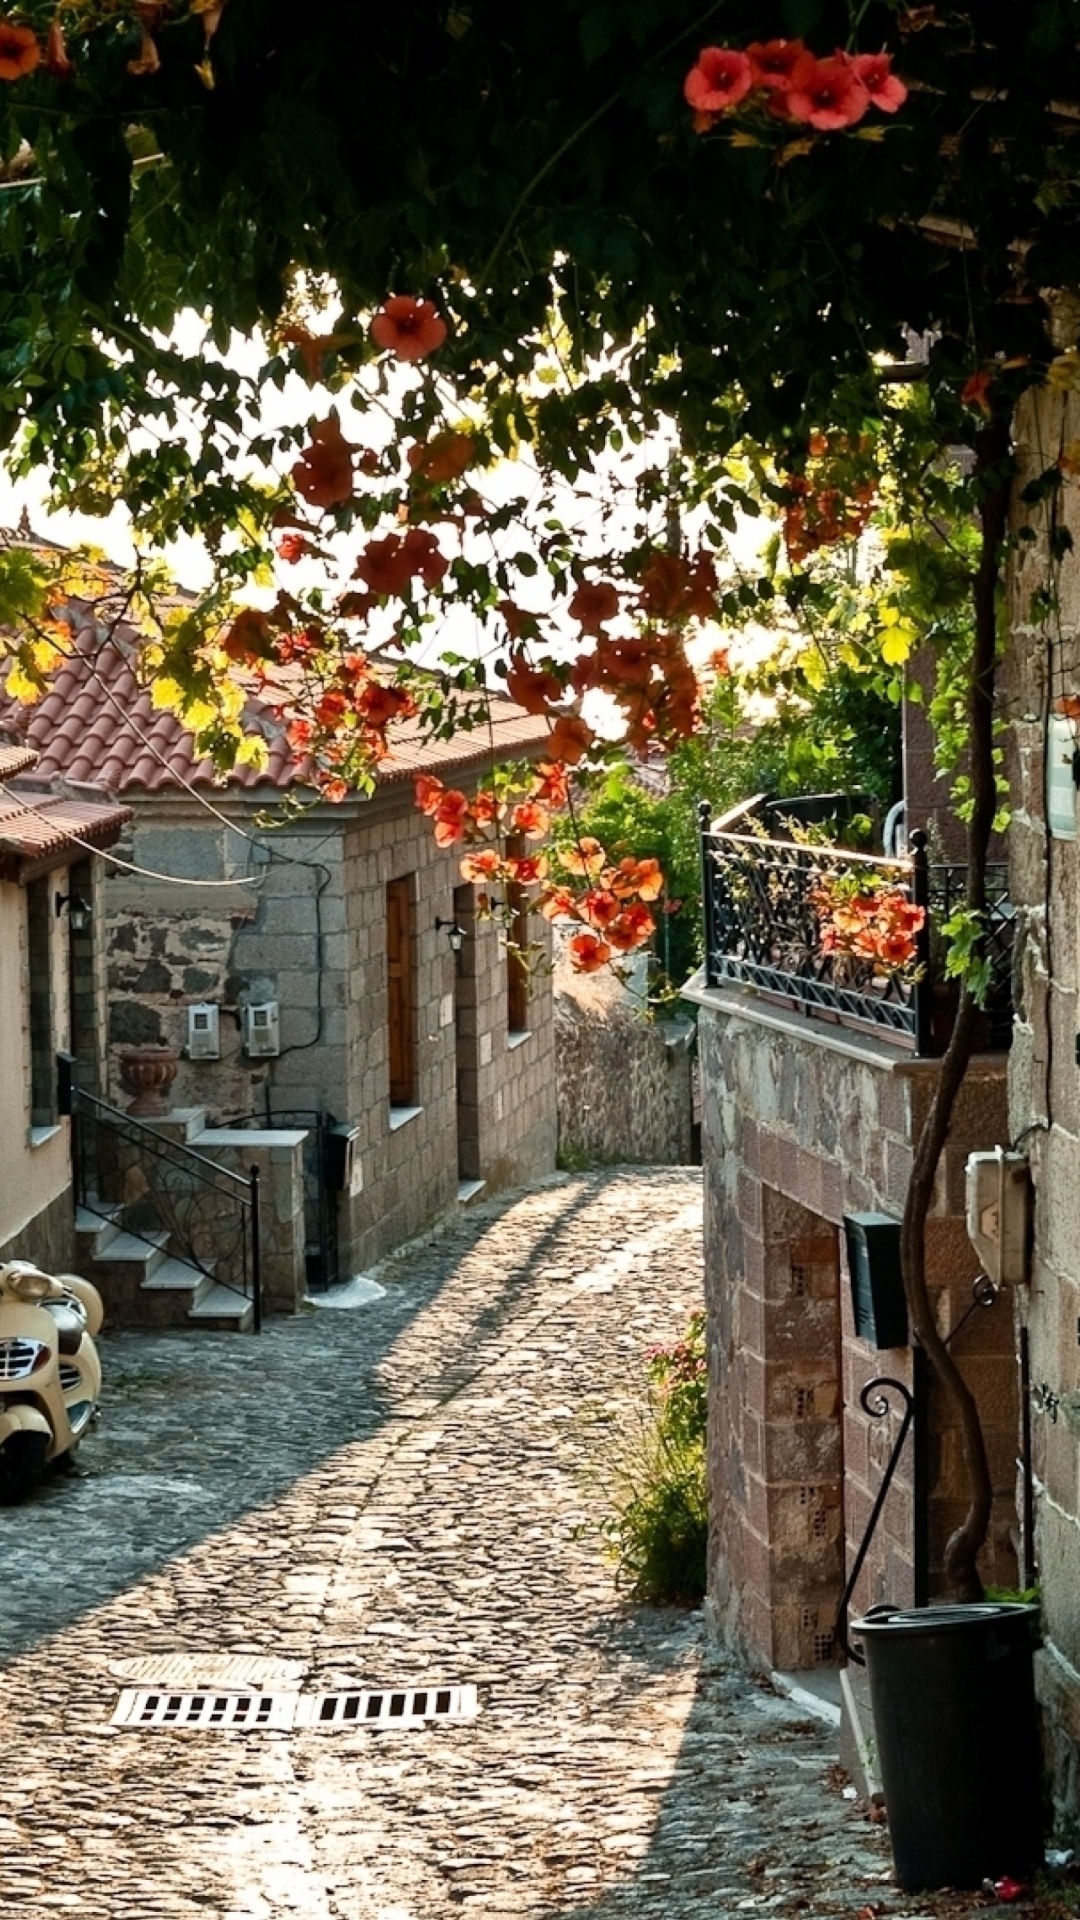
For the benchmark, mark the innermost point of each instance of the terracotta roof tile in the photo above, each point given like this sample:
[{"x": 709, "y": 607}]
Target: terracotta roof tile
[
  {"x": 36, "y": 826},
  {"x": 15, "y": 760},
  {"x": 96, "y": 724}
]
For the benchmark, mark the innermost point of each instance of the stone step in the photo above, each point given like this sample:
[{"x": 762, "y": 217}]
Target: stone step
[
  {"x": 469, "y": 1190},
  {"x": 96, "y": 1218},
  {"x": 222, "y": 1309},
  {"x": 134, "y": 1248},
  {"x": 177, "y": 1276}
]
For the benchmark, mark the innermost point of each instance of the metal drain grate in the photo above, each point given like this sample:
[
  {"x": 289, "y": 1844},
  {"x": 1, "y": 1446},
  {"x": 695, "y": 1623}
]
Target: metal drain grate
[
  {"x": 394, "y": 1707},
  {"x": 281, "y": 1712},
  {"x": 146, "y": 1708}
]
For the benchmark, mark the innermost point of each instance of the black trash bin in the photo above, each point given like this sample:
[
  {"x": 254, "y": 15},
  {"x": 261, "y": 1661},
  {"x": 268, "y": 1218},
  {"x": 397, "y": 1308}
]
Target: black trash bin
[{"x": 953, "y": 1693}]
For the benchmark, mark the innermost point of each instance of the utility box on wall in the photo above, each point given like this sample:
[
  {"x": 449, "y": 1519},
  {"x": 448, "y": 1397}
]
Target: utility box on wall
[
  {"x": 998, "y": 1212},
  {"x": 203, "y": 1032},
  {"x": 262, "y": 1030},
  {"x": 877, "y": 1282}
]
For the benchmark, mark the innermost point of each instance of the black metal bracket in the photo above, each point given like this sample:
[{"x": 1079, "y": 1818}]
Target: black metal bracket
[{"x": 874, "y": 1400}]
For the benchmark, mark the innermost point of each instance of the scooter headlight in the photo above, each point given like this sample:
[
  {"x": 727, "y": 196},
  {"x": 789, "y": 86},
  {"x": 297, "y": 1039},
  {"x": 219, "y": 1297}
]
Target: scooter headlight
[{"x": 30, "y": 1284}]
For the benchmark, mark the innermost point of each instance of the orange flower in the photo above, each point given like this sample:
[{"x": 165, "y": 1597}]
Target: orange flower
[
  {"x": 384, "y": 567},
  {"x": 323, "y": 473},
  {"x": 424, "y": 557},
  {"x": 551, "y": 786},
  {"x": 587, "y": 953},
  {"x": 444, "y": 458},
  {"x": 486, "y": 806},
  {"x": 974, "y": 391},
  {"x": 534, "y": 688},
  {"x": 600, "y": 908},
  {"x": 429, "y": 792},
  {"x": 292, "y": 547},
  {"x": 586, "y": 857},
  {"x": 557, "y": 903},
  {"x": 570, "y": 739},
  {"x": 57, "y": 60},
  {"x": 249, "y": 636},
  {"x": 643, "y": 877},
  {"x": 591, "y": 606},
  {"x": 531, "y": 818},
  {"x": 379, "y": 705},
  {"x": 407, "y": 327},
  {"x": 451, "y": 815},
  {"x": 527, "y": 870},
  {"x": 484, "y": 865},
  {"x": 19, "y": 51}
]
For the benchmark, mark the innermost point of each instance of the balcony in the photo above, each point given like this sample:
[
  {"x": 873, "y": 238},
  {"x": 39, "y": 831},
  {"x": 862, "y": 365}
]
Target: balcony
[{"x": 843, "y": 936}]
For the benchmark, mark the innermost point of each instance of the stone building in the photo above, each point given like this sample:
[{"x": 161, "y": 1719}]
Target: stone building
[
  {"x": 813, "y": 1095},
  {"x": 49, "y": 997},
  {"x": 298, "y": 954},
  {"x": 1041, "y": 702}
]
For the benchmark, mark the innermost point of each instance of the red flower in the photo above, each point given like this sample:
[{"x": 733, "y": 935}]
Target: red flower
[
  {"x": 421, "y": 551},
  {"x": 721, "y": 78},
  {"x": 600, "y": 908},
  {"x": 407, "y": 327},
  {"x": 591, "y": 606},
  {"x": 881, "y": 83},
  {"x": 323, "y": 473},
  {"x": 828, "y": 94},
  {"x": 450, "y": 817},
  {"x": 527, "y": 869},
  {"x": 19, "y": 51},
  {"x": 384, "y": 566},
  {"x": 773, "y": 62},
  {"x": 632, "y": 928},
  {"x": 587, "y": 953},
  {"x": 292, "y": 546},
  {"x": 379, "y": 705},
  {"x": 974, "y": 392}
]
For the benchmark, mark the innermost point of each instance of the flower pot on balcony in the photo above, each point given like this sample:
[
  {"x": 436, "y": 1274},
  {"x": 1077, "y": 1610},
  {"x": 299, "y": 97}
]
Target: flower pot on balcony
[{"x": 148, "y": 1072}]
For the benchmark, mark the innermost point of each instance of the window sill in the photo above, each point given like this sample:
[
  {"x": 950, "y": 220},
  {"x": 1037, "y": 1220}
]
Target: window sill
[
  {"x": 37, "y": 1136},
  {"x": 519, "y": 1038},
  {"x": 400, "y": 1116}
]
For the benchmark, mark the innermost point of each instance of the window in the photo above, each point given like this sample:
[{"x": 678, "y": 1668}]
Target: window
[
  {"x": 517, "y": 949},
  {"x": 400, "y": 994},
  {"x": 39, "y": 919}
]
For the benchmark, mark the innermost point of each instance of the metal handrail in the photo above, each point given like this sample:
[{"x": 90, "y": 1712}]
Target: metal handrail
[
  {"x": 763, "y": 931},
  {"x": 210, "y": 1214}
]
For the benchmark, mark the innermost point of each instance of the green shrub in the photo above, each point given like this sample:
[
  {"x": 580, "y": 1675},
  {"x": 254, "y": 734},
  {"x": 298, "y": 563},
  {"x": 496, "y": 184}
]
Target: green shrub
[{"x": 658, "y": 1531}]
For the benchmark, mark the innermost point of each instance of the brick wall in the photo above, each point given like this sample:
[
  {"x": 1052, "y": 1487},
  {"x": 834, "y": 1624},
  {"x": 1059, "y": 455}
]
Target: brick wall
[{"x": 800, "y": 1126}]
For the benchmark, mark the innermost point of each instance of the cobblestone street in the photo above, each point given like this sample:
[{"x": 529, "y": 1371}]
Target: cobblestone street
[{"x": 405, "y": 1493}]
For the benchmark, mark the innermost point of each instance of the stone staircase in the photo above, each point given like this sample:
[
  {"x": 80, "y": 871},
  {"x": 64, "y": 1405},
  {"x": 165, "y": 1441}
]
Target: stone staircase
[{"x": 143, "y": 1284}]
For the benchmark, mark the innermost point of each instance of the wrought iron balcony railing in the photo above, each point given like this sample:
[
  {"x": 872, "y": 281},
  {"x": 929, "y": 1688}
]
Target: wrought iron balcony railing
[{"x": 844, "y": 936}]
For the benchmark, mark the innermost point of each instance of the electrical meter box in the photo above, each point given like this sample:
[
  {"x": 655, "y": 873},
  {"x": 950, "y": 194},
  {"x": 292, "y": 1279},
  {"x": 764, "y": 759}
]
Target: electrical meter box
[
  {"x": 203, "y": 1032},
  {"x": 262, "y": 1030},
  {"x": 998, "y": 1208},
  {"x": 1061, "y": 743}
]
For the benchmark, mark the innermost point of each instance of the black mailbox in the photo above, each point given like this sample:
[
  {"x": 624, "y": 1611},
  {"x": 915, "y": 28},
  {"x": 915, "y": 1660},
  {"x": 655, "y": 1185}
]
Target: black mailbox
[
  {"x": 877, "y": 1283},
  {"x": 339, "y": 1156}
]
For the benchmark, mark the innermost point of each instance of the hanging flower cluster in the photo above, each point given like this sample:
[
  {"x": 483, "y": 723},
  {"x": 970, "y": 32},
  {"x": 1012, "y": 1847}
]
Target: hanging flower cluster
[
  {"x": 875, "y": 923},
  {"x": 784, "y": 80},
  {"x": 832, "y": 499},
  {"x": 610, "y": 900}
]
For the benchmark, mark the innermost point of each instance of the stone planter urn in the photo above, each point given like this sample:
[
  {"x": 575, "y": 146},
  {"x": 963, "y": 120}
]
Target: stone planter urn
[{"x": 148, "y": 1072}]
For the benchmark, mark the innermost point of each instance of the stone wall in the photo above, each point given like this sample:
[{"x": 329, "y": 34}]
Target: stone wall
[
  {"x": 801, "y": 1125},
  {"x": 48, "y": 1239},
  {"x": 623, "y": 1081},
  {"x": 297, "y": 915},
  {"x": 1042, "y": 667}
]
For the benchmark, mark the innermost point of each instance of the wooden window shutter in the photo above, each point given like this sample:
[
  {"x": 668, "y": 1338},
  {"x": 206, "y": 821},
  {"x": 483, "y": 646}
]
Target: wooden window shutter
[
  {"x": 399, "y": 983},
  {"x": 517, "y": 934}
]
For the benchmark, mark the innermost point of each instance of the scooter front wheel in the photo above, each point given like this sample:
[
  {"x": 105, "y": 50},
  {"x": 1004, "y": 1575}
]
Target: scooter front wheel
[{"x": 22, "y": 1463}]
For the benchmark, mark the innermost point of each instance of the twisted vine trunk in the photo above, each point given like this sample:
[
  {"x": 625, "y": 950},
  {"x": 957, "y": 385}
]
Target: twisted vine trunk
[{"x": 961, "y": 1553}]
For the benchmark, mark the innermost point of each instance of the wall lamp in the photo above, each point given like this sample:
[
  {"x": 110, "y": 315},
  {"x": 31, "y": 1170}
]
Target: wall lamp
[
  {"x": 454, "y": 933},
  {"x": 79, "y": 910}
]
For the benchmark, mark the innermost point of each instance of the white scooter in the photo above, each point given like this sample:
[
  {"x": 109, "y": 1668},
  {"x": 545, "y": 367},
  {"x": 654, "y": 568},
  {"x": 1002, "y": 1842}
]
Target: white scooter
[{"x": 50, "y": 1374}]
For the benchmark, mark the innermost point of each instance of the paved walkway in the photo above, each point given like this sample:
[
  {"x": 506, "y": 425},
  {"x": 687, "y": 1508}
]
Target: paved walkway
[{"x": 405, "y": 1493}]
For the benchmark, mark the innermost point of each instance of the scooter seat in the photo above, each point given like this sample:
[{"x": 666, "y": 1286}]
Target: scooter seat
[{"x": 70, "y": 1326}]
